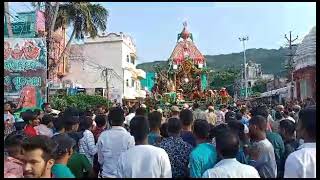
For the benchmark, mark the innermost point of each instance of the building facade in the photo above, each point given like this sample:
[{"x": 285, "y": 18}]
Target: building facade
[
  {"x": 253, "y": 73},
  {"x": 305, "y": 67},
  {"x": 115, "y": 51}
]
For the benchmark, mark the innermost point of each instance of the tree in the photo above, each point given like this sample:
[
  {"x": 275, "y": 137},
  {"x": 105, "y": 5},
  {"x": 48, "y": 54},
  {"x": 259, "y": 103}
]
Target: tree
[
  {"x": 84, "y": 17},
  {"x": 260, "y": 86},
  {"x": 224, "y": 78}
]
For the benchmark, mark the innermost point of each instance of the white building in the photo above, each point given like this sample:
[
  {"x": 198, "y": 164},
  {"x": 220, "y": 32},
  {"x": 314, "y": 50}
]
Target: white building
[
  {"x": 115, "y": 51},
  {"x": 304, "y": 73},
  {"x": 253, "y": 73}
]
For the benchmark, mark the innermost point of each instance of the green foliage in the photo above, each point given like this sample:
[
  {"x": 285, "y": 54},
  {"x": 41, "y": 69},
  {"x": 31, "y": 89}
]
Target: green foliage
[
  {"x": 80, "y": 101},
  {"x": 260, "y": 86},
  {"x": 272, "y": 60},
  {"x": 224, "y": 78},
  {"x": 85, "y": 17}
]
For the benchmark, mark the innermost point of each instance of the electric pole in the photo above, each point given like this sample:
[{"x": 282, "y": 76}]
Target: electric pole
[
  {"x": 290, "y": 63},
  {"x": 107, "y": 83},
  {"x": 107, "y": 86},
  {"x": 243, "y": 39}
]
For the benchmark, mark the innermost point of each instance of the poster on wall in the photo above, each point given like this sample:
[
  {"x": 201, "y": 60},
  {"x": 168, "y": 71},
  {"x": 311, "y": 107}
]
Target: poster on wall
[
  {"x": 25, "y": 71},
  {"x": 115, "y": 94}
]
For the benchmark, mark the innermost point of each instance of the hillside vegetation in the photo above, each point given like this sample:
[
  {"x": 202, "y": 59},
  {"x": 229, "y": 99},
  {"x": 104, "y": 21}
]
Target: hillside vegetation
[{"x": 271, "y": 60}]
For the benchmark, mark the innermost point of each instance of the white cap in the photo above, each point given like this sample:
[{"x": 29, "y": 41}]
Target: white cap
[{"x": 143, "y": 106}]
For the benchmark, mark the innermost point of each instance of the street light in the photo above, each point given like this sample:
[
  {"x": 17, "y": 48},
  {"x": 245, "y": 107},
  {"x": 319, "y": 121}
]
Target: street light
[{"x": 243, "y": 39}]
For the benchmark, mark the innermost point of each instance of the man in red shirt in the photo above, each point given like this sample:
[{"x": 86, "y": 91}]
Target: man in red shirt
[{"x": 31, "y": 119}]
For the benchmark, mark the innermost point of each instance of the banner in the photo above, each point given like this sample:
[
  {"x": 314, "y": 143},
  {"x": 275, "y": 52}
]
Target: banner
[{"x": 25, "y": 71}]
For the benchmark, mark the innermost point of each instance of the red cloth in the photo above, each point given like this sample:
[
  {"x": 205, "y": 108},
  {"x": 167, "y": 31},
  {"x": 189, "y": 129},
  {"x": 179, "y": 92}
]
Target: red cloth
[
  {"x": 97, "y": 132},
  {"x": 30, "y": 131},
  {"x": 13, "y": 168}
]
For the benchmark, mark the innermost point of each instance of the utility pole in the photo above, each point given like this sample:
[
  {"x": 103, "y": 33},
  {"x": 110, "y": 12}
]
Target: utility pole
[
  {"x": 107, "y": 86},
  {"x": 290, "y": 63},
  {"x": 243, "y": 39},
  {"x": 107, "y": 83}
]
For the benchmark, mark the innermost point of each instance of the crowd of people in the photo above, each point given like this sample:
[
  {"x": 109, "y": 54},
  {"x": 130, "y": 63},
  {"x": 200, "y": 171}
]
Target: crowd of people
[{"x": 131, "y": 142}]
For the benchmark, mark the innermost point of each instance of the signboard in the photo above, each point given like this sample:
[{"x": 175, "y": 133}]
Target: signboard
[
  {"x": 25, "y": 71},
  {"x": 115, "y": 94}
]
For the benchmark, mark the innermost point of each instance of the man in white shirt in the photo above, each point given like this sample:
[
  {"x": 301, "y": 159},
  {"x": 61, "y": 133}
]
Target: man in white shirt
[
  {"x": 262, "y": 152},
  {"x": 113, "y": 142},
  {"x": 227, "y": 144},
  {"x": 143, "y": 160},
  {"x": 302, "y": 163},
  {"x": 221, "y": 114},
  {"x": 130, "y": 116}
]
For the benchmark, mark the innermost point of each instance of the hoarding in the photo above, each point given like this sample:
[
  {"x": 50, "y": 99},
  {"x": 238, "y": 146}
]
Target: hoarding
[{"x": 25, "y": 71}]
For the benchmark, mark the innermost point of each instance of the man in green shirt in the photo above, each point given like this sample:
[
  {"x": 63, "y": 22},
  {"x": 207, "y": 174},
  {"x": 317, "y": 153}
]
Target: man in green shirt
[
  {"x": 154, "y": 137},
  {"x": 63, "y": 152},
  {"x": 279, "y": 150},
  {"x": 80, "y": 166},
  {"x": 204, "y": 155}
]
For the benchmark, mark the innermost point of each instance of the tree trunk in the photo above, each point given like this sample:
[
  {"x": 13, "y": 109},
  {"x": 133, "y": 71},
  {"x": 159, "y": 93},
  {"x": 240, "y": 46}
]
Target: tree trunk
[
  {"x": 64, "y": 50},
  {"x": 6, "y": 10},
  {"x": 54, "y": 17}
]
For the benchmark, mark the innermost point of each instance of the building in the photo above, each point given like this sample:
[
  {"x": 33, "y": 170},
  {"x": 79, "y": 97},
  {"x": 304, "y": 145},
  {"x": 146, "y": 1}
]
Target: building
[
  {"x": 305, "y": 67},
  {"x": 276, "y": 83},
  {"x": 148, "y": 82},
  {"x": 253, "y": 73},
  {"x": 26, "y": 24},
  {"x": 115, "y": 51},
  {"x": 58, "y": 45}
]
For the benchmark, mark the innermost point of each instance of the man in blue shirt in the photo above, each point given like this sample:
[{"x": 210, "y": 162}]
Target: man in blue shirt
[
  {"x": 177, "y": 149},
  {"x": 204, "y": 155},
  {"x": 240, "y": 117}
]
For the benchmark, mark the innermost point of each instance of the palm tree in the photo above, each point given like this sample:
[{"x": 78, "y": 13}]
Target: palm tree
[
  {"x": 36, "y": 5},
  {"x": 84, "y": 17}
]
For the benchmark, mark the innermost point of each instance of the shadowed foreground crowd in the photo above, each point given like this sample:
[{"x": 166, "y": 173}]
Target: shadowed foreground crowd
[{"x": 191, "y": 142}]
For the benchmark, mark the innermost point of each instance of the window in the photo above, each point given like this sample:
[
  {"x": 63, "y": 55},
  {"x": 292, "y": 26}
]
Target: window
[
  {"x": 132, "y": 60},
  {"x": 132, "y": 83},
  {"x": 127, "y": 82},
  {"x": 128, "y": 59}
]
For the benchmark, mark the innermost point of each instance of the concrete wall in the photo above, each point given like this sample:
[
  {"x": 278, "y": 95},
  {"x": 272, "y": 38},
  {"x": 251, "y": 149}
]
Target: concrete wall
[{"x": 110, "y": 51}]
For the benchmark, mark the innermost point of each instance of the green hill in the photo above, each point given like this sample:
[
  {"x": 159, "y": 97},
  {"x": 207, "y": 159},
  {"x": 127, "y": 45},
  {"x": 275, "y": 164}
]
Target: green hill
[{"x": 271, "y": 60}]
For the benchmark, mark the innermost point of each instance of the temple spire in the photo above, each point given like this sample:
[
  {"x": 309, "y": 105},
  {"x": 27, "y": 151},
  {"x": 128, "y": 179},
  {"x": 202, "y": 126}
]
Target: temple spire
[{"x": 185, "y": 33}]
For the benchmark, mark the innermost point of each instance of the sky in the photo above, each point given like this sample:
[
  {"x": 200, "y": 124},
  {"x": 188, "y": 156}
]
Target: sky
[{"x": 216, "y": 26}]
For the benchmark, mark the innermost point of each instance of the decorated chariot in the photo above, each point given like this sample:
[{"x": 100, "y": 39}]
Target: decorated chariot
[{"x": 185, "y": 78}]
